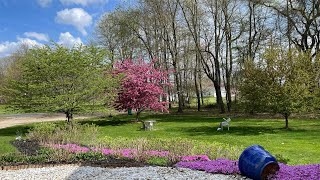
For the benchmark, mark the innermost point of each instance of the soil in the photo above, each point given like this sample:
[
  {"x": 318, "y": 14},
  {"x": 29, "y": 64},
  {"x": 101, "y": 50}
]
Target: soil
[{"x": 27, "y": 147}]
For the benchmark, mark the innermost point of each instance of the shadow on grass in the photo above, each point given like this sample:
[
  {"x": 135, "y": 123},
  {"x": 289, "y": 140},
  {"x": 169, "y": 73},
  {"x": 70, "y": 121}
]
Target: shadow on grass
[
  {"x": 12, "y": 131},
  {"x": 184, "y": 118},
  {"x": 117, "y": 120},
  {"x": 238, "y": 130},
  {"x": 104, "y": 122}
]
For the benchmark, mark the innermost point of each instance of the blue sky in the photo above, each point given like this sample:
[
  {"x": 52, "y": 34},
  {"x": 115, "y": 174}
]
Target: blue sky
[{"x": 36, "y": 22}]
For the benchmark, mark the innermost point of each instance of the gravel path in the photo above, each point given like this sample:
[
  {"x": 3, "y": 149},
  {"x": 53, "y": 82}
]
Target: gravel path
[
  {"x": 70, "y": 172},
  {"x": 8, "y": 120}
]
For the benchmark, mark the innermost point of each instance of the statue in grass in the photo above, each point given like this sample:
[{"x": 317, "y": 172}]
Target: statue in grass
[{"x": 224, "y": 123}]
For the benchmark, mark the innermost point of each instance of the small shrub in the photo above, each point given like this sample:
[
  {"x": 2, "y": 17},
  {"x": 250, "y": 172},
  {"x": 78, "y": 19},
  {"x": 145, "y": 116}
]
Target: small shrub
[
  {"x": 42, "y": 132},
  {"x": 55, "y": 133}
]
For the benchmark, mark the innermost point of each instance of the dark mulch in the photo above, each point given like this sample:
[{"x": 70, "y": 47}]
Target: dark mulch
[{"x": 27, "y": 147}]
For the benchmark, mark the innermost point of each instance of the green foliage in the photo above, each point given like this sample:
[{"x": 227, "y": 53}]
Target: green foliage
[
  {"x": 282, "y": 82},
  {"x": 299, "y": 143},
  {"x": 46, "y": 155},
  {"x": 55, "y": 133},
  {"x": 158, "y": 161},
  {"x": 88, "y": 156},
  {"x": 59, "y": 79},
  {"x": 281, "y": 158},
  {"x": 42, "y": 132},
  {"x": 11, "y": 158},
  {"x": 17, "y": 158},
  {"x": 176, "y": 146}
]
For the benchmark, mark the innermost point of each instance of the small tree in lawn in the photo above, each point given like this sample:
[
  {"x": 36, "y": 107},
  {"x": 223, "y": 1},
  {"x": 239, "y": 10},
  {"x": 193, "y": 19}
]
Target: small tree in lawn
[
  {"x": 55, "y": 78},
  {"x": 282, "y": 82},
  {"x": 141, "y": 86}
]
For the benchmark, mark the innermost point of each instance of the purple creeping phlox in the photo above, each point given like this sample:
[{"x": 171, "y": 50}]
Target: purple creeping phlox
[
  {"x": 203, "y": 163},
  {"x": 194, "y": 158},
  {"x": 106, "y": 151},
  {"x": 310, "y": 172},
  {"x": 221, "y": 166},
  {"x": 128, "y": 153}
]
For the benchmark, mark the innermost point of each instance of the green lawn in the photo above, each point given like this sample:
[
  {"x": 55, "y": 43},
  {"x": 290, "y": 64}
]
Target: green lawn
[
  {"x": 300, "y": 143},
  {"x": 9, "y": 134},
  {"x": 208, "y": 100},
  {"x": 5, "y": 110}
]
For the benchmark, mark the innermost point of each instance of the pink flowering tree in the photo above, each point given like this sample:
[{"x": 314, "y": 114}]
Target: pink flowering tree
[{"x": 141, "y": 87}]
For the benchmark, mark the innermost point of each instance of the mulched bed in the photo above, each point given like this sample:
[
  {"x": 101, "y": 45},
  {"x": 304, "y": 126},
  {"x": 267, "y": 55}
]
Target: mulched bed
[
  {"x": 31, "y": 148},
  {"x": 27, "y": 147}
]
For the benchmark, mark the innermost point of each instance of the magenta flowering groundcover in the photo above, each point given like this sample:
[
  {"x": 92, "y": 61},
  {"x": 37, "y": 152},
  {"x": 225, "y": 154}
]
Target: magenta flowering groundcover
[
  {"x": 127, "y": 153},
  {"x": 219, "y": 166},
  {"x": 224, "y": 166},
  {"x": 310, "y": 172},
  {"x": 203, "y": 163}
]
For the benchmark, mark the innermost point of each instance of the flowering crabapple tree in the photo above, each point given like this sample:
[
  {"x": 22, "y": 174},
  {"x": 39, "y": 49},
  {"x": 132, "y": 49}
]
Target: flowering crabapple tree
[{"x": 141, "y": 87}]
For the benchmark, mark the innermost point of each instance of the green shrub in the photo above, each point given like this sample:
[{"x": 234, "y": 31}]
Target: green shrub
[
  {"x": 57, "y": 133},
  {"x": 42, "y": 132}
]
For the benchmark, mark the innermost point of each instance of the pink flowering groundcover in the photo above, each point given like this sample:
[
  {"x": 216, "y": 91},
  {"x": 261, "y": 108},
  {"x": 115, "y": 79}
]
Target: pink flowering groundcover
[{"x": 203, "y": 163}]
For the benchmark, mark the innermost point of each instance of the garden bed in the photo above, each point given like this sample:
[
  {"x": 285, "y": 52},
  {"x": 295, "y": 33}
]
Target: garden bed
[{"x": 30, "y": 150}]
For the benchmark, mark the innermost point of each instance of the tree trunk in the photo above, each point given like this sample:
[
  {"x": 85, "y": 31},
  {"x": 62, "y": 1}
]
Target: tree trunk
[
  {"x": 169, "y": 98},
  {"x": 138, "y": 115},
  {"x": 196, "y": 85},
  {"x": 286, "y": 116},
  {"x": 69, "y": 115},
  {"x": 201, "y": 90},
  {"x": 219, "y": 96},
  {"x": 228, "y": 95},
  {"x": 180, "y": 98}
]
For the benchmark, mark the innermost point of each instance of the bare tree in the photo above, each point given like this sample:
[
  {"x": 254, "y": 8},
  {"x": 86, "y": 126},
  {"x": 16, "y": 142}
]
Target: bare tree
[{"x": 303, "y": 22}]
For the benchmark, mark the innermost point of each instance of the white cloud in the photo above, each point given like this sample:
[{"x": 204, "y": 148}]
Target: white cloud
[
  {"x": 28, "y": 42},
  {"x": 82, "y": 2},
  {"x": 38, "y": 36},
  {"x": 76, "y": 17},
  {"x": 44, "y": 3},
  {"x": 8, "y": 47},
  {"x": 67, "y": 40}
]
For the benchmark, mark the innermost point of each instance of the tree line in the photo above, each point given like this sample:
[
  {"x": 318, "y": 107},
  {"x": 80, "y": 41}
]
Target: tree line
[
  {"x": 264, "y": 54},
  {"x": 209, "y": 38}
]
